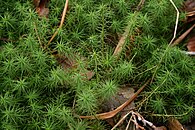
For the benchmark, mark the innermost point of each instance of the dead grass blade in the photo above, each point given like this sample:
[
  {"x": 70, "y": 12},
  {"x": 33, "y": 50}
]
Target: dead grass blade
[
  {"x": 191, "y": 44},
  {"x": 122, "y": 40},
  {"x": 61, "y": 23},
  {"x": 111, "y": 114},
  {"x": 192, "y": 13},
  {"x": 121, "y": 43},
  {"x": 176, "y": 22},
  {"x": 121, "y": 120}
]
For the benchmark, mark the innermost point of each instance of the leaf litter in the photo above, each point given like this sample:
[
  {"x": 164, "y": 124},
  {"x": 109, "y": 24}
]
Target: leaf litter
[{"x": 41, "y": 7}]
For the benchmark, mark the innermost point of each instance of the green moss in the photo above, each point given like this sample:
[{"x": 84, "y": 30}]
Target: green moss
[{"x": 37, "y": 93}]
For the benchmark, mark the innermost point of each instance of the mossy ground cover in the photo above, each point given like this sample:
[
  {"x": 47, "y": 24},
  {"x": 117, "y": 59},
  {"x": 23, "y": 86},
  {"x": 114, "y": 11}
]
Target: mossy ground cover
[{"x": 37, "y": 93}]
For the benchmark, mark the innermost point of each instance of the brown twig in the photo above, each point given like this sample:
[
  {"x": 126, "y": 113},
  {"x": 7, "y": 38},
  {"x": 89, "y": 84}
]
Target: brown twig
[
  {"x": 6, "y": 40},
  {"x": 128, "y": 125},
  {"x": 111, "y": 114},
  {"x": 121, "y": 120},
  {"x": 61, "y": 23},
  {"x": 176, "y": 42}
]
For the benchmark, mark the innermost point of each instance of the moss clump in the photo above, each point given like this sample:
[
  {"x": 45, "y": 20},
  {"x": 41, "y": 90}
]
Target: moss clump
[{"x": 37, "y": 93}]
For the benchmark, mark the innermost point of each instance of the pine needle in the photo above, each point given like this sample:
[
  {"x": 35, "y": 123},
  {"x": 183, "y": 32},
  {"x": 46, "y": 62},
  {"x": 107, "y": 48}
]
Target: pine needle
[{"x": 61, "y": 23}]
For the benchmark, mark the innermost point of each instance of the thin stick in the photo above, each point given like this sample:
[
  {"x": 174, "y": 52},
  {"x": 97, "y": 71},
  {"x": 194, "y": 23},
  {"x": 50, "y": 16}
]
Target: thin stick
[
  {"x": 127, "y": 127},
  {"x": 192, "y": 13},
  {"x": 61, "y": 23},
  {"x": 176, "y": 22},
  {"x": 122, "y": 119},
  {"x": 183, "y": 36},
  {"x": 189, "y": 53}
]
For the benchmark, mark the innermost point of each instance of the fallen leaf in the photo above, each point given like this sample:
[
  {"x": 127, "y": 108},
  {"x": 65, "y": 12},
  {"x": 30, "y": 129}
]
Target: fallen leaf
[
  {"x": 69, "y": 63},
  {"x": 112, "y": 113},
  {"x": 121, "y": 96},
  {"x": 41, "y": 7},
  {"x": 36, "y": 2},
  {"x": 161, "y": 128},
  {"x": 192, "y": 13},
  {"x": 189, "y": 5},
  {"x": 191, "y": 44},
  {"x": 66, "y": 62},
  {"x": 174, "y": 124},
  {"x": 189, "y": 8},
  {"x": 88, "y": 74}
]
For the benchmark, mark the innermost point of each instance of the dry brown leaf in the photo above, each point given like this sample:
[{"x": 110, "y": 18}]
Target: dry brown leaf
[
  {"x": 189, "y": 7},
  {"x": 36, "y": 2},
  {"x": 112, "y": 113},
  {"x": 174, "y": 124},
  {"x": 161, "y": 128},
  {"x": 69, "y": 63},
  {"x": 88, "y": 74},
  {"x": 66, "y": 62},
  {"x": 41, "y": 7},
  {"x": 121, "y": 96},
  {"x": 191, "y": 44}
]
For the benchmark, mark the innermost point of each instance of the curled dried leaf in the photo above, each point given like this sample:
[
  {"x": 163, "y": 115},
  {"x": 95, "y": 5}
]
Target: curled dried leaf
[
  {"x": 189, "y": 7},
  {"x": 191, "y": 44},
  {"x": 70, "y": 63},
  {"x": 41, "y": 7},
  {"x": 112, "y": 113},
  {"x": 174, "y": 124},
  {"x": 36, "y": 2}
]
